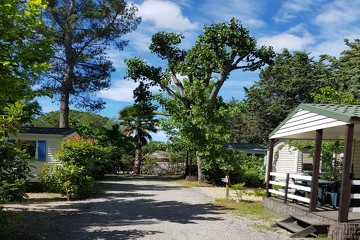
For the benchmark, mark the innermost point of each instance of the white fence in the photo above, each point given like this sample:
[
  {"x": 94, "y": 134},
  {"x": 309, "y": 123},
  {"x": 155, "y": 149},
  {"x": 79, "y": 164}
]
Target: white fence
[
  {"x": 286, "y": 180},
  {"x": 290, "y": 186}
]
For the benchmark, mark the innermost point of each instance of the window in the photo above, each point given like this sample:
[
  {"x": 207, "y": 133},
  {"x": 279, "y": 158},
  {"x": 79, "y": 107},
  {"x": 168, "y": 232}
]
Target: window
[
  {"x": 35, "y": 149},
  {"x": 30, "y": 147}
]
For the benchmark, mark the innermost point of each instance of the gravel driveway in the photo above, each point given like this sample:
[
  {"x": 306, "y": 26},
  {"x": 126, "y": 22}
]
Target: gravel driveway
[{"x": 136, "y": 209}]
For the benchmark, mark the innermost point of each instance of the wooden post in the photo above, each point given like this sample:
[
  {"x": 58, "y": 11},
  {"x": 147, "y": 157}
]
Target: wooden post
[
  {"x": 315, "y": 172},
  {"x": 286, "y": 187},
  {"x": 227, "y": 186},
  {"x": 269, "y": 166},
  {"x": 345, "y": 178}
]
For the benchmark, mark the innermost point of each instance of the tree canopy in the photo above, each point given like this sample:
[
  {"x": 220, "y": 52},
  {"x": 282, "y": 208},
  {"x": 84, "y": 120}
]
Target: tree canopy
[
  {"x": 193, "y": 78},
  {"x": 83, "y": 31},
  {"x": 23, "y": 53},
  {"x": 283, "y": 85}
]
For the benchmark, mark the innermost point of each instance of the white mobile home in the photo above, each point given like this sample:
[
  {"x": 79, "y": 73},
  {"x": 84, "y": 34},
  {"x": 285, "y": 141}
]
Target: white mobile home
[{"x": 42, "y": 143}]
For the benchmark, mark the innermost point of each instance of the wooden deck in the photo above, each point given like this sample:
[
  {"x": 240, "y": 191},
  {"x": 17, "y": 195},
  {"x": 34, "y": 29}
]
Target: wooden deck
[
  {"x": 323, "y": 211},
  {"x": 337, "y": 230}
]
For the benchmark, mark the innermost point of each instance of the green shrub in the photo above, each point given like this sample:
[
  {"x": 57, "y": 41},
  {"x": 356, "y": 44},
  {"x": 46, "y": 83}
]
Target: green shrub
[
  {"x": 14, "y": 170},
  {"x": 259, "y": 192},
  {"x": 245, "y": 169},
  {"x": 68, "y": 179},
  {"x": 86, "y": 153},
  {"x": 240, "y": 191}
]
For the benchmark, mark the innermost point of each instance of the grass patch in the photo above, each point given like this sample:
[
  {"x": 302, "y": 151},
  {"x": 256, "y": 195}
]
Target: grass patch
[
  {"x": 263, "y": 218},
  {"x": 187, "y": 183},
  {"x": 250, "y": 209}
]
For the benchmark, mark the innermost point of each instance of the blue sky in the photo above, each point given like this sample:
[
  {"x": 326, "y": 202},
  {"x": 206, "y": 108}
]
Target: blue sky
[{"x": 315, "y": 26}]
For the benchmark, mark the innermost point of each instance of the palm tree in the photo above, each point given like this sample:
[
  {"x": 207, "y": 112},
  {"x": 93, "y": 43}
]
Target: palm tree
[{"x": 138, "y": 121}]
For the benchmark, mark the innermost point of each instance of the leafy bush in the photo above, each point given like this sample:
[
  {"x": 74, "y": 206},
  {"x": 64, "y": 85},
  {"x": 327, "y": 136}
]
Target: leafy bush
[
  {"x": 14, "y": 170},
  {"x": 86, "y": 153},
  {"x": 68, "y": 179},
  {"x": 240, "y": 191},
  {"x": 80, "y": 161},
  {"x": 245, "y": 169},
  {"x": 259, "y": 192}
]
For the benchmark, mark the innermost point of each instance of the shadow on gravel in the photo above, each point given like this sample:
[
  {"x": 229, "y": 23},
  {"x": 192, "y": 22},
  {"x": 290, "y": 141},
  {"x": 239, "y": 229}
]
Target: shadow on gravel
[{"x": 124, "y": 212}]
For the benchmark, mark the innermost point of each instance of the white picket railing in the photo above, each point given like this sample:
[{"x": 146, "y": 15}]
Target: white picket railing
[
  {"x": 355, "y": 196},
  {"x": 285, "y": 180}
]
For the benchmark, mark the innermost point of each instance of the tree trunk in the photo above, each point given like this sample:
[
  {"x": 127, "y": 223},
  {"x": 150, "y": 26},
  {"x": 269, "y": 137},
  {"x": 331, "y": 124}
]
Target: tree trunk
[
  {"x": 64, "y": 110},
  {"x": 67, "y": 81},
  {"x": 137, "y": 162},
  {"x": 187, "y": 166},
  {"x": 201, "y": 177}
]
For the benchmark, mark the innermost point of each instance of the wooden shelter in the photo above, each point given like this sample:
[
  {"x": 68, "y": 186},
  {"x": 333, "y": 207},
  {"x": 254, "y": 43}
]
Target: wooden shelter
[{"x": 318, "y": 122}]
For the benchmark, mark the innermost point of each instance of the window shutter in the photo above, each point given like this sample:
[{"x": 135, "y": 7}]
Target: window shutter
[{"x": 41, "y": 150}]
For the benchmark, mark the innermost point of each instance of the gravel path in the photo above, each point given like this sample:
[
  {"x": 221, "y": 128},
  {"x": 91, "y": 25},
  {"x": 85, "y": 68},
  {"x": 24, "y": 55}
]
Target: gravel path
[{"x": 136, "y": 209}]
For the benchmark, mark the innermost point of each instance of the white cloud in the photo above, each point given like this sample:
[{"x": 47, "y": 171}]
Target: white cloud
[
  {"x": 336, "y": 20},
  {"x": 165, "y": 15},
  {"x": 140, "y": 40},
  {"x": 289, "y": 9},
  {"x": 287, "y": 40},
  {"x": 338, "y": 13},
  {"x": 247, "y": 11},
  {"x": 333, "y": 48},
  {"x": 121, "y": 90}
]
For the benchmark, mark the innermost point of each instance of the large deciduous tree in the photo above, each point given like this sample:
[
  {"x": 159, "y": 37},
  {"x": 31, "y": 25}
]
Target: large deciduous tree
[
  {"x": 83, "y": 31},
  {"x": 193, "y": 78}
]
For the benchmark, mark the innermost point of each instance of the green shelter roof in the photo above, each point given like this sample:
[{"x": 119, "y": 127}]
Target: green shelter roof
[{"x": 338, "y": 112}]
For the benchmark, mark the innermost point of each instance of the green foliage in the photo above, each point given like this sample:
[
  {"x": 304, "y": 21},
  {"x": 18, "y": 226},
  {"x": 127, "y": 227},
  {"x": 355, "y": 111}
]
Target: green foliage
[
  {"x": 250, "y": 170},
  {"x": 80, "y": 161},
  {"x": 197, "y": 113},
  {"x": 283, "y": 85},
  {"x": 23, "y": 54},
  {"x": 346, "y": 69},
  {"x": 330, "y": 165},
  {"x": 83, "y": 31},
  {"x": 259, "y": 192},
  {"x": 67, "y": 178},
  {"x": 86, "y": 153},
  {"x": 14, "y": 167},
  {"x": 242, "y": 169},
  {"x": 154, "y": 146},
  {"x": 240, "y": 191},
  {"x": 78, "y": 120},
  {"x": 138, "y": 121},
  {"x": 330, "y": 95}
]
